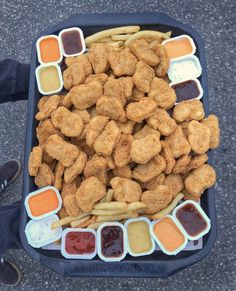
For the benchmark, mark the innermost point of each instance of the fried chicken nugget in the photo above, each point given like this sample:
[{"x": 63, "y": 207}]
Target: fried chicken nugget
[
  {"x": 42, "y": 102},
  {"x": 199, "y": 137},
  {"x": 72, "y": 172},
  {"x": 140, "y": 48},
  {"x": 123, "y": 172},
  {"x": 91, "y": 190},
  {"x": 61, "y": 150},
  {"x": 162, "y": 93},
  {"x": 162, "y": 67},
  {"x": 136, "y": 94},
  {"x": 68, "y": 189},
  {"x": 184, "y": 125},
  {"x": 86, "y": 95},
  {"x": 175, "y": 184},
  {"x": 168, "y": 156},
  {"x": 44, "y": 177},
  {"x": 49, "y": 106},
  {"x": 143, "y": 77},
  {"x": 58, "y": 173},
  {"x": 95, "y": 128},
  {"x": 122, "y": 62},
  {"x": 199, "y": 180},
  {"x": 161, "y": 120},
  {"x": 188, "y": 110},
  {"x": 44, "y": 130},
  {"x": 144, "y": 149},
  {"x": 213, "y": 124},
  {"x": 178, "y": 143},
  {"x": 70, "y": 205},
  {"x": 145, "y": 131},
  {"x": 77, "y": 72},
  {"x": 138, "y": 111},
  {"x": 82, "y": 59},
  {"x": 126, "y": 127},
  {"x": 122, "y": 150},
  {"x": 102, "y": 78},
  {"x": 96, "y": 167},
  {"x": 126, "y": 190},
  {"x": 196, "y": 162},
  {"x": 83, "y": 114},
  {"x": 35, "y": 160},
  {"x": 150, "y": 170},
  {"x": 181, "y": 164},
  {"x": 65, "y": 101},
  {"x": 69, "y": 123},
  {"x": 156, "y": 199},
  {"x": 111, "y": 107},
  {"x": 106, "y": 141},
  {"x": 152, "y": 184},
  {"x": 98, "y": 56}
]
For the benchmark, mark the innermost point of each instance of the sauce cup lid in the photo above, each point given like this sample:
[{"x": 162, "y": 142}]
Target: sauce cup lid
[
  {"x": 203, "y": 214},
  {"x": 178, "y": 225},
  {"x": 152, "y": 249},
  {"x": 99, "y": 242},
  {"x": 175, "y": 74},
  {"x": 87, "y": 256},
  {"x": 81, "y": 38},
  {"x": 59, "y": 77},
  {"x": 179, "y": 37},
  {"x": 28, "y": 210},
  {"x": 54, "y": 234},
  {"x": 199, "y": 97},
  {"x": 39, "y": 51}
]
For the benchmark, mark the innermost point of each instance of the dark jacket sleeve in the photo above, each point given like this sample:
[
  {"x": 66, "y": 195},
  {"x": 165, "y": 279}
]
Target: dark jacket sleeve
[{"x": 14, "y": 79}]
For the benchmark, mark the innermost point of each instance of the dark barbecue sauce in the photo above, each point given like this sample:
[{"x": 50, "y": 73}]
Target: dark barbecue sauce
[
  {"x": 71, "y": 41},
  {"x": 112, "y": 241},
  {"x": 191, "y": 219},
  {"x": 186, "y": 90}
]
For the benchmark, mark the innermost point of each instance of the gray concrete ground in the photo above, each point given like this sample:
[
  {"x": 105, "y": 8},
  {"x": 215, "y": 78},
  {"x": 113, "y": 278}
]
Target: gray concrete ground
[{"x": 21, "y": 21}]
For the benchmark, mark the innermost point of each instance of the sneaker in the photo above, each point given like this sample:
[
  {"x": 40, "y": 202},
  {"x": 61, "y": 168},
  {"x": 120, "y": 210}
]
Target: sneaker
[
  {"x": 10, "y": 275},
  {"x": 8, "y": 173}
]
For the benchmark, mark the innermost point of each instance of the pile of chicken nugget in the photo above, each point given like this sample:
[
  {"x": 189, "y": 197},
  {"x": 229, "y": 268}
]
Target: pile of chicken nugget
[{"x": 117, "y": 129}]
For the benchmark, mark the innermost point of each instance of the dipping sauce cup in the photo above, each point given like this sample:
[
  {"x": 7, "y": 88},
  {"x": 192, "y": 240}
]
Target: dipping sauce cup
[
  {"x": 184, "y": 68},
  {"x": 49, "y": 49},
  {"x": 140, "y": 241},
  {"x": 193, "y": 219},
  {"x": 43, "y": 203},
  {"x": 49, "y": 79},
  {"x": 40, "y": 233},
  {"x": 72, "y": 42},
  {"x": 179, "y": 46},
  {"x": 186, "y": 90},
  {"x": 78, "y": 243},
  {"x": 112, "y": 241},
  {"x": 168, "y": 235}
]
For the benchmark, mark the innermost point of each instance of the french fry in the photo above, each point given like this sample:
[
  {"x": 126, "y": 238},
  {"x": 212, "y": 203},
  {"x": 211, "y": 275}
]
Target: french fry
[
  {"x": 169, "y": 208},
  {"x": 168, "y": 33},
  {"x": 110, "y": 195},
  {"x": 104, "y": 199},
  {"x": 152, "y": 34},
  {"x": 105, "y": 39},
  {"x": 120, "y": 36},
  {"x": 111, "y": 205},
  {"x": 108, "y": 32},
  {"x": 79, "y": 221},
  {"x": 67, "y": 220},
  {"x": 116, "y": 43},
  {"x": 135, "y": 206},
  {"x": 87, "y": 222},
  {"x": 107, "y": 212},
  {"x": 116, "y": 217},
  {"x": 94, "y": 225}
]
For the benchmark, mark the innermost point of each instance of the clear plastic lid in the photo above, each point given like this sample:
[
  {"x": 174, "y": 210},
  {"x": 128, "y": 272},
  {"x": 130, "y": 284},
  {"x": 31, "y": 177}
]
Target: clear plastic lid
[
  {"x": 75, "y": 248},
  {"x": 40, "y": 233}
]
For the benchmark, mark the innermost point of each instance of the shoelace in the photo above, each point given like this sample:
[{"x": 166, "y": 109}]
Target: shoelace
[{"x": 3, "y": 183}]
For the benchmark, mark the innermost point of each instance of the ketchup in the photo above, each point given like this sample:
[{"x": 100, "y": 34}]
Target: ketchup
[
  {"x": 191, "y": 219},
  {"x": 112, "y": 241},
  {"x": 80, "y": 243}
]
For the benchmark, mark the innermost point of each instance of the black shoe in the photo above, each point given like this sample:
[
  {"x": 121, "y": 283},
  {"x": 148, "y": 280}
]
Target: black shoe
[
  {"x": 8, "y": 173},
  {"x": 10, "y": 275}
]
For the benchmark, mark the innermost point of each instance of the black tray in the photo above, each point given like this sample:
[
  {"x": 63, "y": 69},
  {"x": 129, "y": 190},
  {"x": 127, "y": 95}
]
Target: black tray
[{"x": 156, "y": 264}]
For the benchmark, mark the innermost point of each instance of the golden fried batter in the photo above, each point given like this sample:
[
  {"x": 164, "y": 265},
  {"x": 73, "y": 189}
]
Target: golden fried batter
[
  {"x": 181, "y": 164},
  {"x": 70, "y": 205},
  {"x": 68, "y": 189},
  {"x": 122, "y": 150},
  {"x": 96, "y": 167},
  {"x": 123, "y": 172},
  {"x": 35, "y": 160},
  {"x": 58, "y": 173},
  {"x": 72, "y": 172},
  {"x": 98, "y": 56},
  {"x": 101, "y": 78},
  {"x": 213, "y": 124},
  {"x": 168, "y": 156},
  {"x": 44, "y": 177},
  {"x": 162, "y": 67},
  {"x": 196, "y": 162},
  {"x": 145, "y": 131},
  {"x": 188, "y": 110},
  {"x": 49, "y": 106},
  {"x": 126, "y": 127},
  {"x": 152, "y": 184},
  {"x": 96, "y": 126},
  {"x": 143, "y": 77},
  {"x": 111, "y": 107},
  {"x": 175, "y": 184}
]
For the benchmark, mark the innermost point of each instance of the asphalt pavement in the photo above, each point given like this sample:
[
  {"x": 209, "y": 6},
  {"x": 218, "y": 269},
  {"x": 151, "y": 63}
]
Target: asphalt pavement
[{"x": 21, "y": 21}]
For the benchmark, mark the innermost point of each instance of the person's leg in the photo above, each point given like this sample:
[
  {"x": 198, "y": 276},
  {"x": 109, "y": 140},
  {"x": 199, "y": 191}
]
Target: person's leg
[{"x": 10, "y": 275}]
